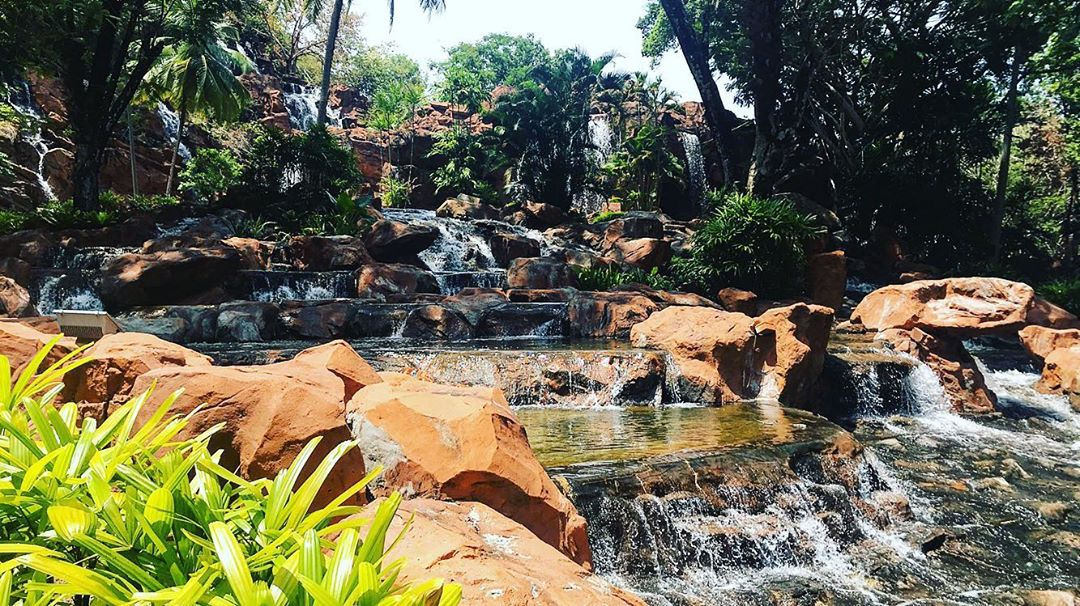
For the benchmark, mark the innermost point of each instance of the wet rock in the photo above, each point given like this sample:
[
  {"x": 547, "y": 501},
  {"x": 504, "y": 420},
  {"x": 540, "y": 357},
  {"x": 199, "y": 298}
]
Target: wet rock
[
  {"x": 397, "y": 242},
  {"x": 269, "y": 413},
  {"x": 959, "y": 373},
  {"x": 608, "y": 314},
  {"x": 170, "y": 276},
  {"x": 1050, "y": 598},
  {"x": 247, "y": 322},
  {"x": 119, "y": 359},
  {"x": 1061, "y": 374},
  {"x": 540, "y": 273},
  {"x": 631, "y": 226},
  {"x": 1040, "y": 341},
  {"x": 535, "y": 215},
  {"x": 724, "y": 356},
  {"x": 551, "y": 295},
  {"x": 996, "y": 483},
  {"x": 1055, "y": 512},
  {"x": 964, "y": 307},
  {"x": 328, "y": 253},
  {"x": 466, "y": 207},
  {"x": 826, "y": 278},
  {"x": 16, "y": 269},
  {"x": 437, "y": 323},
  {"x": 332, "y": 320},
  {"x": 15, "y": 300},
  {"x": 465, "y": 444},
  {"x": 494, "y": 558},
  {"x": 522, "y": 320},
  {"x": 380, "y": 281},
  {"x": 36, "y": 246},
  {"x": 642, "y": 253},
  {"x": 254, "y": 254},
  {"x": 736, "y": 300},
  {"x": 506, "y": 247}
]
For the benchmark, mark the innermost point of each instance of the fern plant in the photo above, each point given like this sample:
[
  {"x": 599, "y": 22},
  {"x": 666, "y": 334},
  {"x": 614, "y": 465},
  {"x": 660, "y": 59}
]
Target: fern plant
[{"x": 120, "y": 514}]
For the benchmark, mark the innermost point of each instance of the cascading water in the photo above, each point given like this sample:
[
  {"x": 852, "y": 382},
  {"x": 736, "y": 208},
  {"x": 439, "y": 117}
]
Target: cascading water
[
  {"x": 302, "y": 103},
  {"x": 22, "y": 100},
  {"x": 278, "y": 286},
  {"x": 170, "y": 123},
  {"x": 602, "y": 142},
  {"x": 64, "y": 289},
  {"x": 696, "y": 179}
]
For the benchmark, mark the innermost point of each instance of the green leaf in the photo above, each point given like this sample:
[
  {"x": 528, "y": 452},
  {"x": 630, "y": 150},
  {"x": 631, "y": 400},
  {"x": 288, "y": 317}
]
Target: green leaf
[{"x": 233, "y": 564}]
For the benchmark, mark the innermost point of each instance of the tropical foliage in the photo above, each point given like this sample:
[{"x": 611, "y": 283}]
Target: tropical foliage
[
  {"x": 210, "y": 174},
  {"x": 122, "y": 512},
  {"x": 747, "y": 242}
]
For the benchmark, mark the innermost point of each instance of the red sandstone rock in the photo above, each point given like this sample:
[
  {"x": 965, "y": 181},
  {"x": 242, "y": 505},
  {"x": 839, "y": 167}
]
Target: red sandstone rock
[
  {"x": 1061, "y": 374},
  {"x": 1040, "y": 341},
  {"x": 741, "y": 301},
  {"x": 540, "y": 273},
  {"x": 121, "y": 358},
  {"x": 381, "y": 280},
  {"x": 466, "y": 207},
  {"x": 270, "y": 412},
  {"x": 15, "y": 300},
  {"x": 826, "y": 278},
  {"x": 960, "y": 306},
  {"x": 723, "y": 356},
  {"x": 494, "y": 558},
  {"x": 164, "y": 277},
  {"x": 960, "y": 376},
  {"x": 462, "y": 443},
  {"x": 254, "y": 254},
  {"x": 328, "y": 253},
  {"x": 642, "y": 253},
  {"x": 19, "y": 341}
]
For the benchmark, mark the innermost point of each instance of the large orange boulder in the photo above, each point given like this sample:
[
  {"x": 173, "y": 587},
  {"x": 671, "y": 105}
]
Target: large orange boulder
[
  {"x": 725, "y": 356},
  {"x": 958, "y": 372},
  {"x": 826, "y": 278},
  {"x": 1061, "y": 374},
  {"x": 268, "y": 413},
  {"x": 1040, "y": 341},
  {"x": 165, "y": 277},
  {"x": 493, "y": 558},
  {"x": 959, "y": 306},
  {"x": 462, "y": 443},
  {"x": 15, "y": 300},
  {"x": 19, "y": 341},
  {"x": 121, "y": 358}
]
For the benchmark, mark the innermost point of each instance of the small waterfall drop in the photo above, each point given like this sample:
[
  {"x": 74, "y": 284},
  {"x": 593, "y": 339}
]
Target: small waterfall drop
[
  {"x": 22, "y": 100},
  {"x": 278, "y": 286},
  {"x": 602, "y": 144},
  {"x": 170, "y": 122},
  {"x": 302, "y": 103},
  {"x": 52, "y": 290},
  {"x": 696, "y": 179}
]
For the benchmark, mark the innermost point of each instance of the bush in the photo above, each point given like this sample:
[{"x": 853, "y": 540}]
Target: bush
[
  {"x": 750, "y": 243},
  {"x": 395, "y": 192},
  {"x": 210, "y": 174},
  {"x": 605, "y": 216},
  {"x": 607, "y": 278},
  {"x": 299, "y": 173},
  {"x": 111, "y": 514},
  {"x": 1064, "y": 293},
  {"x": 13, "y": 220},
  {"x": 468, "y": 158}
]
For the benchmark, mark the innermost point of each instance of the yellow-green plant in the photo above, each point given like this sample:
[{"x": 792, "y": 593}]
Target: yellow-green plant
[{"x": 130, "y": 513}]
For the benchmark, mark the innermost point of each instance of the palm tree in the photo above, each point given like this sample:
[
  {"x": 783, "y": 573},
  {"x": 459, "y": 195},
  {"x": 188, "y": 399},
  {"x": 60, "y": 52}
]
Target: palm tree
[
  {"x": 196, "y": 72},
  {"x": 429, "y": 6}
]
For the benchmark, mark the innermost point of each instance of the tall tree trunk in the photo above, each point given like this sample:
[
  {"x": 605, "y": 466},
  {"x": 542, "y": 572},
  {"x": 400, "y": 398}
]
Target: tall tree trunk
[
  {"x": 1068, "y": 222},
  {"x": 1012, "y": 115},
  {"x": 86, "y": 176},
  {"x": 131, "y": 155},
  {"x": 176, "y": 150},
  {"x": 763, "y": 27},
  {"x": 697, "y": 59},
  {"x": 328, "y": 60}
]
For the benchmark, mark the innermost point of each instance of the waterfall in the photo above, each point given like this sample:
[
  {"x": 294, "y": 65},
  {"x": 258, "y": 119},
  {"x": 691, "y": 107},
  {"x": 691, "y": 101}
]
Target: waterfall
[
  {"x": 170, "y": 123},
  {"x": 696, "y": 181},
  {"x": 64, "y": 289},
  {"x": 302, "y": 103},
  {"x": 22, "y": 100},
  {"x": 602, "y": 144},
  {"x": 278, "y": 286}
]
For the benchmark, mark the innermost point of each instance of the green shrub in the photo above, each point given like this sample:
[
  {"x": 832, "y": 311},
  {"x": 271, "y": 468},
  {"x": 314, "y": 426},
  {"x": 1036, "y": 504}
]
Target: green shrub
[
  {"x": 283, "y": 172},
  {"x": 62, "y": 214},
  {"x": 637, "y": 172},
  {"x": 13, "y": 221},
  {"x": 1064, "y": 293},
  {"x": 605, "y": 216},
  {"x": 210, "y": 174},
  {"x": 119, "y": 514},
  {"x": 751, "y": 243},
  {"x": 395, "y": 192},
  {"x": 607, "y": 278},
  {"x": 467, "y": 159}
]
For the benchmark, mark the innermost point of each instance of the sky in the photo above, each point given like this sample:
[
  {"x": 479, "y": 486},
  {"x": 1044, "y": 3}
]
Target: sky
[{"x": 597, "y": 26}]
